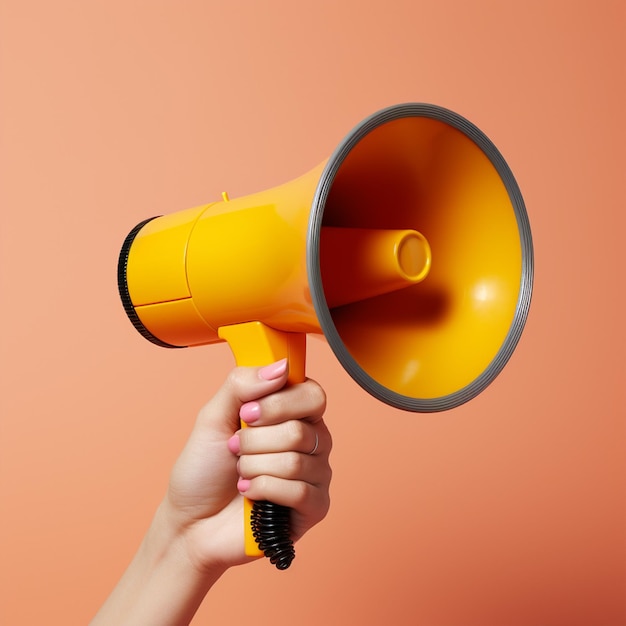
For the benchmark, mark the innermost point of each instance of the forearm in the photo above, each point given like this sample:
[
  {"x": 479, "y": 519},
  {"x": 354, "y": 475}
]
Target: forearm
[{"x": 161, "y": 586}]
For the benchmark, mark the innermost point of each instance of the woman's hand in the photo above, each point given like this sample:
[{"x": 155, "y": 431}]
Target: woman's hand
[
  {"x": 270, "y": 460},
  {"x": 197, "y": 531}
]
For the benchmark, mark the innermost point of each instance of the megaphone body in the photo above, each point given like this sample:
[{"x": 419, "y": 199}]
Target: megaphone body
[{"x": 409, "y": 250}]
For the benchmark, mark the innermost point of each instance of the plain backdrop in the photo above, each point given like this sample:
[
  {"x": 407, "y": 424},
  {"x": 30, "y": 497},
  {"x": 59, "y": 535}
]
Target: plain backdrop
[{"x": 508, "y": 511}]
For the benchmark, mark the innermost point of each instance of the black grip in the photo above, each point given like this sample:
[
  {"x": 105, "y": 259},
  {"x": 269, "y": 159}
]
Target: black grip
[{"x": 270, "y": 528}]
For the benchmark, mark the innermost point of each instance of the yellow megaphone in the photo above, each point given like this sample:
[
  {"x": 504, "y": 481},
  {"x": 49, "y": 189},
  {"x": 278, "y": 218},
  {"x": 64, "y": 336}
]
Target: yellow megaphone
[{"x": 409, "y": 249}]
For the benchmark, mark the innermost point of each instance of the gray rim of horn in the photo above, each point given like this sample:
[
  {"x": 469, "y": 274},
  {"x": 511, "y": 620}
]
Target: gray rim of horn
[{"x": 422, "y": 405}]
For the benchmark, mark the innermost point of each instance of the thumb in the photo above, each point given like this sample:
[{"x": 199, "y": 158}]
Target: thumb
[{"x": 242, "y": 385}]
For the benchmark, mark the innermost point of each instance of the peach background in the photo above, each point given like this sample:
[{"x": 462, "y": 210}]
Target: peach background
[{"x": 509, "y": 511}]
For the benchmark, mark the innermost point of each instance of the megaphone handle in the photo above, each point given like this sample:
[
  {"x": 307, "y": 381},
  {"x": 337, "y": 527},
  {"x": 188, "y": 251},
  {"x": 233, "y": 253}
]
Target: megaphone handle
[{"x": 266, "y": 524}]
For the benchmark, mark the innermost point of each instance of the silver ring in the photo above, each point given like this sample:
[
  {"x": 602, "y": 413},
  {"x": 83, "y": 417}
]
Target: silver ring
[{"x": 317, "y": 443}]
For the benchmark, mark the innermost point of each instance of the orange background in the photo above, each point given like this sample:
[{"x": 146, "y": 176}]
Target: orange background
[{"x": 507, "y": 511}]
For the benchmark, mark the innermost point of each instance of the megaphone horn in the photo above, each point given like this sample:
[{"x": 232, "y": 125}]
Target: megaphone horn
[{"x": 409, "y": 249}]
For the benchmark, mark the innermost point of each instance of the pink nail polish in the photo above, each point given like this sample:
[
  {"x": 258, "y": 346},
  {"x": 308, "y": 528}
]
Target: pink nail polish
[
  {"x": 243, "y": 484},
  {"x": 233, "y": 444},
  {"x": 250, "y": 412},
  {"x": 273, "y": 371}
]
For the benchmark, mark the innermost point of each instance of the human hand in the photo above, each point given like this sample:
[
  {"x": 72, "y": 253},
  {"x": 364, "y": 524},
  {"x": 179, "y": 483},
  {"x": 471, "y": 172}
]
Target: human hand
[
  {"x": 270, "y": 460},
  {"x": 198, "y": 530}
]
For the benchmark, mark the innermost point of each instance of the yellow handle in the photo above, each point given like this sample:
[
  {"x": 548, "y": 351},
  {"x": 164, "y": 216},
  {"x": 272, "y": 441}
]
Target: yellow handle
[{"x": 255, "y": 344}]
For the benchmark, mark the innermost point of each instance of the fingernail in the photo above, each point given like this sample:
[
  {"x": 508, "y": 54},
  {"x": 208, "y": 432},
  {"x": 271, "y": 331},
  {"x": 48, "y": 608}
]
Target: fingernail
[
  {"x": 233, "y": 444},
  {"x": 273, "y": 371},
  {"x": 250, "y": 412},
  {"x": 243, "y": 484}
]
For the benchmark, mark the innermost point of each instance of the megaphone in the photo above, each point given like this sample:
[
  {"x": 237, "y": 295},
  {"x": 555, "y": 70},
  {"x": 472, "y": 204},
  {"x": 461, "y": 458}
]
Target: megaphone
[{"x": 409, "y": 250}]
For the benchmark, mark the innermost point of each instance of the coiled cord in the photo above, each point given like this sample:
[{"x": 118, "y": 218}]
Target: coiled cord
[{"x": 270, "y": 528}]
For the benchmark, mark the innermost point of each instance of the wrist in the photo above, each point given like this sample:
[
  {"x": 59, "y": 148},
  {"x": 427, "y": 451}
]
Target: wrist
[
  {"x": 162, "y": 585},
  {"x": 169, "y": 539}
]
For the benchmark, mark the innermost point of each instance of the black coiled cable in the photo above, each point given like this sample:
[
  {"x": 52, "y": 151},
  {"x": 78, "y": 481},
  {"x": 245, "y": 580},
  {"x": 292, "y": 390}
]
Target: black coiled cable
[{"x": 270, "y": 528}]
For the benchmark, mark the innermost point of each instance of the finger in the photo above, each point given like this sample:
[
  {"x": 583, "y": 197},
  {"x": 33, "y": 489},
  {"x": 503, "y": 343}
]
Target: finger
[
  {"x": 249, "y": 383},
  {"x": 287, "y": 465},
  {"x": 302, "y": 401},
  {"x": 291, "y": 436},
  {"x": 305, "y": 498},
  {"x": 243, "y": 385}
]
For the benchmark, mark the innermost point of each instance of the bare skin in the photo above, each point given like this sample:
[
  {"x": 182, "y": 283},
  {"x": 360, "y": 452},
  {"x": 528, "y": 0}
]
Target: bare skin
[{"x": 197, "y": 531}]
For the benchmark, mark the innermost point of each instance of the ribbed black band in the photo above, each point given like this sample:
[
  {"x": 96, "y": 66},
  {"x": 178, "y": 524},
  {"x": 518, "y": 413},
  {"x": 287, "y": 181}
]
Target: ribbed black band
[{"x": 122, "y": 285}]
